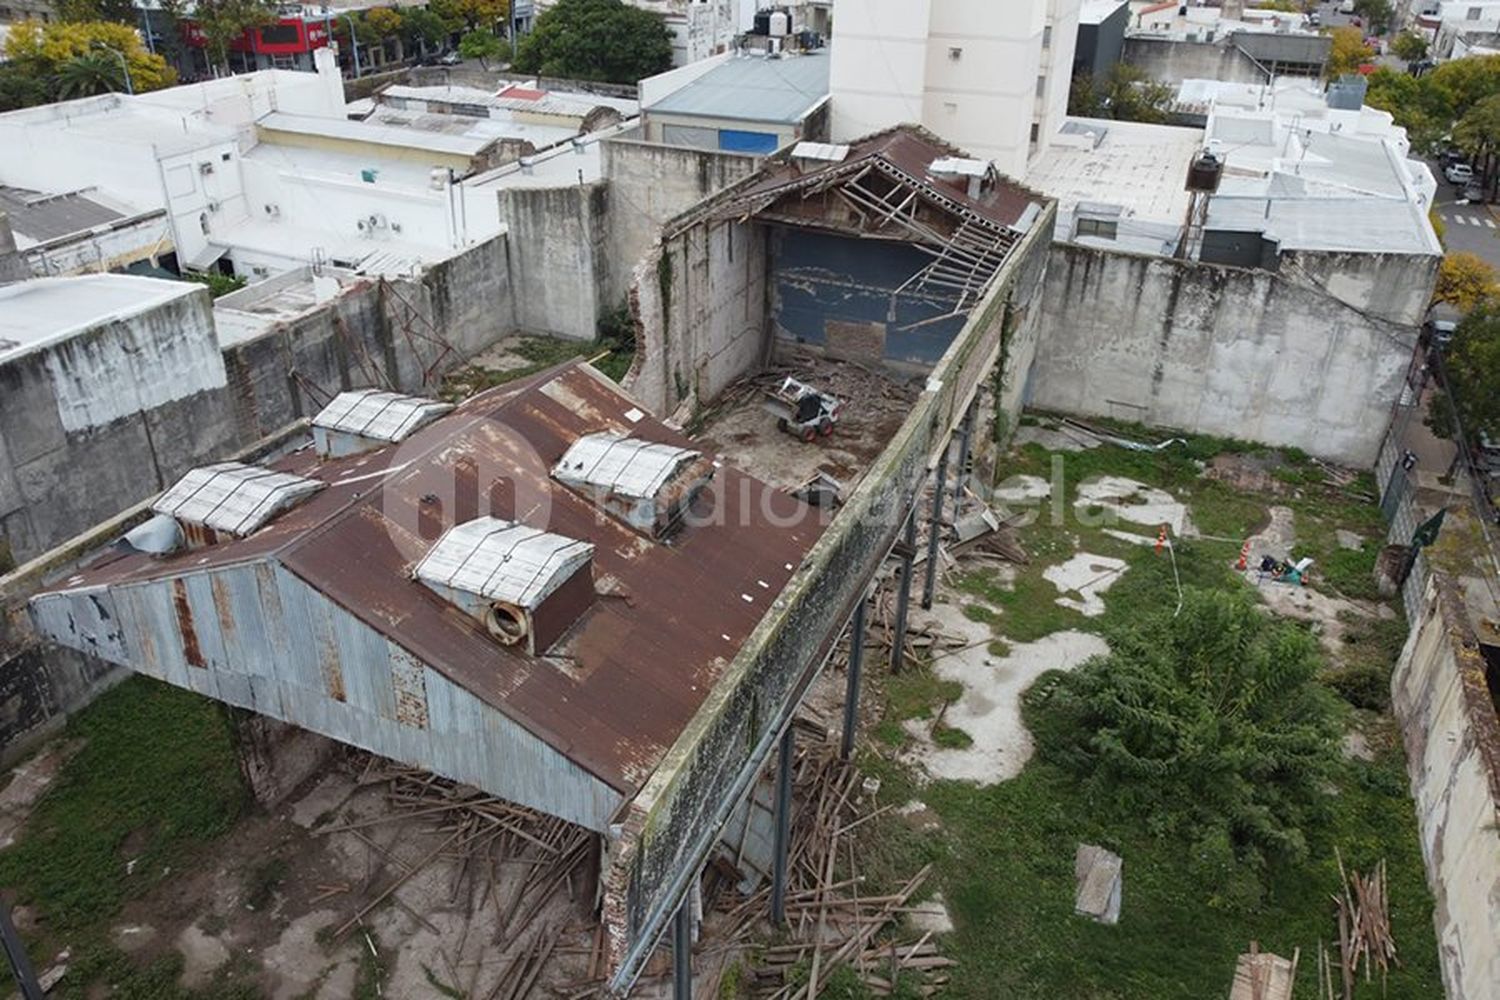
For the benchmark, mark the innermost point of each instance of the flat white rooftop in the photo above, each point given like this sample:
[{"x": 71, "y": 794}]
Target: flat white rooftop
[{"x": 46, "y": 311}]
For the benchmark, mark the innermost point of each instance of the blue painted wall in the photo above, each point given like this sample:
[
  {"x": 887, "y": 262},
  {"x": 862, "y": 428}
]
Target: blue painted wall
[
  {"x": 820, "y": 277},
  {"x": 737, "y": 141}
]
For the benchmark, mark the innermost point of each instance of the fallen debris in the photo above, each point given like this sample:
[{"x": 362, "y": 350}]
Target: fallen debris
[
  {"x": 1100, "y": 877},
  {"x": 1261, "y": 975},
  {"x": 1364, "y": 925}
]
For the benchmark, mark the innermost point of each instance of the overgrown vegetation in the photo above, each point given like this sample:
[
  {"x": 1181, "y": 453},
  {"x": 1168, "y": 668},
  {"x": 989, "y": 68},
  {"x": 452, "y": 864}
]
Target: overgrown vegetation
[
  {"x": 1126, "y": 93},
  {"x": 616, "y": 342},
  {"x": 100, "y": 970},
  {"x": 596, "y": 40},
  {"x": 64, "y": 60},
  {"x": 218, "y": 284},
  {"x": 155, "y": 780},
  {"x": 1205, "y": 721}
]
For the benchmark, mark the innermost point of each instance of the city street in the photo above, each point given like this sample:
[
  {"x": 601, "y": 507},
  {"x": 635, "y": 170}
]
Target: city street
[{"x": 1470, "y": 227}]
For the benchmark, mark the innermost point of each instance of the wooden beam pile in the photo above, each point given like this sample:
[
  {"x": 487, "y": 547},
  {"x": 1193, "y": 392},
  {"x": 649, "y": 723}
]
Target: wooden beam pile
[
  {"x": 831, "y": 921},
  {"x": 1364, "y": 923},
  {"x": 511, "y": 859}
]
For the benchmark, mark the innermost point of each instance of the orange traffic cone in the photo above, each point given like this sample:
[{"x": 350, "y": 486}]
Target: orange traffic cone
[
  {"x": 1161, "y": 539},
  {"x": 1244, "y": 561}
]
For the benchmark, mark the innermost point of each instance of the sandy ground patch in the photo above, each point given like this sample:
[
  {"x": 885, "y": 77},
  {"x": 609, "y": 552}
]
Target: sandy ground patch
[
  {"x": 989, "y": 710},
  {"x": 1325, "y": 612},
  {"x": 1275, "y": 539},
  {"x": 1088, "y": 576},
  {"x": 1135, "y": 502}
]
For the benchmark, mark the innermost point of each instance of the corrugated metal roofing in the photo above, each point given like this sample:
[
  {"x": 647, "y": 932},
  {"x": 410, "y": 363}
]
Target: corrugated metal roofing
[
  {"x": 641, "y": 660},
  {"x": 384, "y": 416},
  {"x": 752, "y": 88},
  {"x": 624, "y": 465},
  {"x": 42, "y": 217},
  {"x": 503, "y": 561},
  {"x": 233, "y": 498}
]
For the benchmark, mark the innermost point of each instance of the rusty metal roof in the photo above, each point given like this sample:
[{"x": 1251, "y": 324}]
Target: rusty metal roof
[{"x": 641, "y": 659}]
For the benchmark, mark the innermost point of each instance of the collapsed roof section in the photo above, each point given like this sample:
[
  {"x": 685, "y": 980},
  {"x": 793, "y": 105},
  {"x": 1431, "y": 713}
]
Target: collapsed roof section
[
  {"x": 232, "y": 499},
  {"x": 904, "y": 184}
]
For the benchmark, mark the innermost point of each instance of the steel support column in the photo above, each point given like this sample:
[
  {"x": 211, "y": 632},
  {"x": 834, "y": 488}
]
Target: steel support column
[
  {"x": 908, "y": 551},
  {"x": 682, "y": 950},
  {"x": 783, "y": 819},
  {"x": 851, "y": 692},
  {"x": 935, "y": 528},
  {"x": 964, "y": 445},
  {"x": 15, "y": 952}
]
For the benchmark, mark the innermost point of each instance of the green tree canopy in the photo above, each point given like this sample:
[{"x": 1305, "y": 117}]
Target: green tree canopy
[
  {"x": 91, "y": 73},
  {"x": 222, "y": 21},
  {"x": 596, "y": 40},
  {"x": 1209, "y": 723},
  {"x": 1376, "y": 13},
  {"x": 1472, "y": 362},
  {"x": 119, "y": 11},
  {"x": 1127, "y": 93},
  {"x": 1348, "y": 52},
  {"x": 421, "y": 28},
  {"x": 482, "y": 45},
  {"x": 1409, "y": 46},
  {"x": 42, "y": 51}
]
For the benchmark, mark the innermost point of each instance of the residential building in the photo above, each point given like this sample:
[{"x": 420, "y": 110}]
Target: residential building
[
  {"x": 990, "y": 77},
  {"x": 740, "y": 102},
  {"x": 1101, "y": 36},
  {"x": 1173, "y": 42},
  {"x": 1464, "y": 26}
]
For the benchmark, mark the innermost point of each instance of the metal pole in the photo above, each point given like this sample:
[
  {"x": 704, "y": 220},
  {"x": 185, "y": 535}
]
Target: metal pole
[
  {"x": 908, "y": 551},
  {"x": 935, "y": 528},
  {"x": 20, "y": 965},
  {"x": 963, "y": 457},
  {"x": 783, "y": 819},
  {"x": 682, "y": 950},
  {"x": 124, "y": 66},
  {"x": 353, "y": 44},
  {"x": 851, "y": 693}
]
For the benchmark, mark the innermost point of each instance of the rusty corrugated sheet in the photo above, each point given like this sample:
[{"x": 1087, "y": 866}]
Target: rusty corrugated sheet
[{"x": 624, "y": 681}]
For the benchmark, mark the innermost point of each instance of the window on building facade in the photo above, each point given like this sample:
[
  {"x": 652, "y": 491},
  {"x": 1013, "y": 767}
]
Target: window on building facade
[
  {"x": 1041, "y": 86},
  {"x": 1047, "y": 37}
]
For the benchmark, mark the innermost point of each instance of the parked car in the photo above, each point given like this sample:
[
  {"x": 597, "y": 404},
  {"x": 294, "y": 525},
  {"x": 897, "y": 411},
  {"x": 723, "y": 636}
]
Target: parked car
[
  {"x": 1441, "y": 332},
  {"x": 1475, "y": 192},
  {"x": 1347, "y": 7},
  {"x": 1459, "y": 174},
  {"x": 451, "y": 58},
  {"x": 1314, "y": 19}
]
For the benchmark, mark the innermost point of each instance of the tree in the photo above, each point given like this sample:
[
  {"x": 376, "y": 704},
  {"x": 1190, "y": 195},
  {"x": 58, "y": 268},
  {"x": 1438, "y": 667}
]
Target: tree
[
  {"x": 1376, "y": 14},
  {"x": 384, "y": 23},
  {"x": 119, "y": 11},
  {"x": 223, "y": 21},
  {"x": 1348, "y": 53},
  {"x": 1409, "y": 47},
  {"x": 1465, "y": 280},
  {"x": 481, "y": 45},
  {"x": 89, "y": 74},
  {"x": 420, "y": 28},
  {"x": 1472, "y": 366},
  {"x": 43, "y": 50},
  {"x": 596, "y": 40},
  {"x": 471, "y": 14},
  {"x": 1208, "y": 723},
  {"x": 1125, "y": 94},
  {"x": 19, "y": 88},
  {"x": 1478, "y": 134}
]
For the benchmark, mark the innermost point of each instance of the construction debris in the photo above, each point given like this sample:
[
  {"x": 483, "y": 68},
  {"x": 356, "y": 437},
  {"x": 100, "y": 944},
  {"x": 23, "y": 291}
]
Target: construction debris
[
  {"x": 1260, "y": 975},
  {"x": 833, "y": 920},
  {"x": 1100, "y": 876},
  {"x": 1364, "y": 924}
]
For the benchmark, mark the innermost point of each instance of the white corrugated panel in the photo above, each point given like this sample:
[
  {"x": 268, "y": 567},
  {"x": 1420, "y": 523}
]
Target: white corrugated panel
[
  {"x": 626, "y": 466},
  {"x": 233, "y": 498},
  {"x": 820, "y": 151},
  {"x": 503, "y": 561},
  {"x": 385, "y": 416}
]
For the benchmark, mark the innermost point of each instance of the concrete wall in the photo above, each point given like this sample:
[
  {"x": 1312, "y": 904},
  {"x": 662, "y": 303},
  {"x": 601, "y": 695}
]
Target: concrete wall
[
  {"x": 559, "y": 257},
  {"x": 1452, "y": 737},
  {"x": 666, "y": 832},
  {"x": 1392, "y": 286},
  {"x": 650, "y": 184},
  {"x": 1172, "y": 62},
  {"x": 1216, "y": 350},
  {"x": 95, "y": 422},
  {"x": 700, "y": 307}
]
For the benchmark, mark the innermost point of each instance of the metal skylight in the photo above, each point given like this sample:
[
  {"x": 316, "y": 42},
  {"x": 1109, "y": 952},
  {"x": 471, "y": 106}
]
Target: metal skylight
[
  {"x": 233, "y": 498},
  {"x": 622, "y": 465},
  {"x": 384, "y": 416},
  {"x": 503, "y": 561}
]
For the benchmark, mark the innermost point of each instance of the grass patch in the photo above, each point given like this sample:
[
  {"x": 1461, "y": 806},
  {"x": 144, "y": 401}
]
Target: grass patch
[
  {"x": 156, "y": 780},
  {"x": 916, "y": 692},
  {"x": 951, "y": 738},
  {"x": 105, "y": 970},
  {"x": 541, "y": 353}
]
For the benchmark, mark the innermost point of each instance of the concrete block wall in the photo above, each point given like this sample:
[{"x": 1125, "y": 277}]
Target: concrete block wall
[
  {"x": 649, "y": 185},
  {"x": 700, "y": 305},
  {"x": 668, "y": 830},
  {"x": 1452, "y": 738},
  {"x": 1217, "y": 350},
  {"x": 1172, "y": 62},
  {"x": 559, "y": 257}
]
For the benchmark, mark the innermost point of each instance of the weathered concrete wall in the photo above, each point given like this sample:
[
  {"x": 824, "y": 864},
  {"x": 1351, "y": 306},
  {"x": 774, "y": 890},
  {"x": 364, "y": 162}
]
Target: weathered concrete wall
[
  {"x": 559, "y": 257},
  {"x": 1452, "y": 737},
  {"x": 651, "y": 184},
  {"x": 1392, "y": 286},
  {"x": 1172, "y": 62},
  {"x": 667, "y": 832},
  {"x": 1217, "y": 350},
  {"x": 39, "y": 687},
  {"x": 99, "y": 420},
  {"x": 700, "y": 308}
]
